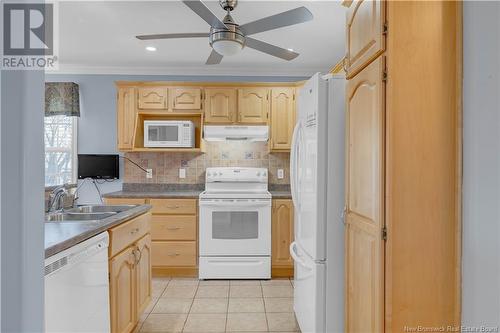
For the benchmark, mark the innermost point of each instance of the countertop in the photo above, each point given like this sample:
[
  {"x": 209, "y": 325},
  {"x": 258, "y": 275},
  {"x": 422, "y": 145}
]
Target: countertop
[
  {"x": 60, "y": 236},
  {"x": 178, "y": 194},
  {"x": 154, "y": 194}
]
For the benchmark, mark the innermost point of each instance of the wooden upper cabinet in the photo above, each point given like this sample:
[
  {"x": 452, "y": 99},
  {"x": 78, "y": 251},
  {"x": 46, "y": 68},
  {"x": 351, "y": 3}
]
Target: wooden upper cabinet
[
  {"x": 143, "y": 269},
  {"x": 122, "y": 284},
  {"x": 282, "y": 232},
  {"x": 365, "y": 200},
  {"x": 185, "y": 98},
  {"x": 220, "y": 105},
  {"x": 153, "y": 98},
  {"x": 126, "y": 114},
  {"x": 253, "y": 105},
  {"x": 282, "y": 118},
  {"x": 365, "y": 34}
]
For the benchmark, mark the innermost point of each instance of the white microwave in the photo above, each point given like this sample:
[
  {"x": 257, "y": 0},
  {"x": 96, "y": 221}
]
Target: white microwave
[{"x": 168, "y": 133}]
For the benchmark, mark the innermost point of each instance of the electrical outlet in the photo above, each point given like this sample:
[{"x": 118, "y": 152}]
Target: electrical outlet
[
  {"x": 149, "y": 173},
  {"x": 281, "y": 174},
  {"x": 182, "y": 173}
]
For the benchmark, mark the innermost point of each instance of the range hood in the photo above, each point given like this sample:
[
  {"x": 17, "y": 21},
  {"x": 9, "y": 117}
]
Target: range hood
[{"x": 236, "y": 133}]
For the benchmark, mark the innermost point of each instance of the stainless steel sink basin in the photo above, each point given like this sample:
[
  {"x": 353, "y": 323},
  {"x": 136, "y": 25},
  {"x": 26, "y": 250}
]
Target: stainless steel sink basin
[
  {"x": 98, "y": 209},
  {"x": 77, "y": 217}
]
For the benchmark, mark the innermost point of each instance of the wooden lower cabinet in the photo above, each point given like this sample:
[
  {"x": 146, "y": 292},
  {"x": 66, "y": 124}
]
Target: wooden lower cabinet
[
  {"x": 172, "y": 246},
  {"x": 122, "y": 288},
  {"x": 129, "y": 279},
  {"x": 144, "y": 274},
  {"x": 282, "y": 237},
  {"x": 175, "y": 234}
]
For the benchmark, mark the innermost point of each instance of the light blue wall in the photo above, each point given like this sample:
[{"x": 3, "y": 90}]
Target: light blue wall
[
  {"x": 97, "y": 124},
  {"x": 481, "y": 168},
  {"x": 22, "y": 249}
]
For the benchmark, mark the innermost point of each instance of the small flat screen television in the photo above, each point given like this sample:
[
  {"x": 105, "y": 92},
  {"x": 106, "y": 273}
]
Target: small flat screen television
[{"x": 98, "y": 166}]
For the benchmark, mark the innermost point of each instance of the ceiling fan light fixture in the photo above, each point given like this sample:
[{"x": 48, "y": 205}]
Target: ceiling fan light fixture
[{"x": 227, "y": 47}]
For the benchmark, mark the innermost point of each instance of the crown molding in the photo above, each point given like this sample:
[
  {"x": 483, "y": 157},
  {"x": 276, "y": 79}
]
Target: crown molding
[{"x": 191, "y": 70}]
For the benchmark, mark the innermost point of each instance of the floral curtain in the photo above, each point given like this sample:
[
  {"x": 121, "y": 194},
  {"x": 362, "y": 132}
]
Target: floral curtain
[{"x": 62, "y": 98}]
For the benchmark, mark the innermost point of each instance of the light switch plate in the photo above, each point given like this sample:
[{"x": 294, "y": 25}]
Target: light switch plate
[
  {"x": 182, "y": 173},
  {"x": 281, "y": 174},
  {"x": 149, "y": 173}
]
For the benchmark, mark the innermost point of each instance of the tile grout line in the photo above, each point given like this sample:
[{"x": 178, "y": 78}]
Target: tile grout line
[
  {"x": 264, "y": 303},
  {"x": 227, "y": 307},
  {"x": 190, "y": 307},
  {"x": 154, "y": 305}
]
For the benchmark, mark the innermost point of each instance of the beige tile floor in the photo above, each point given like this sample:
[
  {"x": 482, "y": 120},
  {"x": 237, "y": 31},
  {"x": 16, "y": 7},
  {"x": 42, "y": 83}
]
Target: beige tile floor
[{"x": 216, "y": 306}]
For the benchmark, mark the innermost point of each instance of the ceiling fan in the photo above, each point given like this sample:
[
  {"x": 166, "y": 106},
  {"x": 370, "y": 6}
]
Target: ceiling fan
[{"x": 227, "y": 38}]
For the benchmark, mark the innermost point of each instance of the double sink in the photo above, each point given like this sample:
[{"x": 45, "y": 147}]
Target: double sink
[{"x": 90, "y": 213}]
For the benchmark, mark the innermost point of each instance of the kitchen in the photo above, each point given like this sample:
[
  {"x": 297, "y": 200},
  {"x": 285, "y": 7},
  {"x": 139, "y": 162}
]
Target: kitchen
[{"x": 263, "y": 191}]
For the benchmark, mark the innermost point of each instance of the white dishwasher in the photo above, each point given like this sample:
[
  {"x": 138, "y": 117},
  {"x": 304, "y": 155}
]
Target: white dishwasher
[{"x": 77, "y": 288}]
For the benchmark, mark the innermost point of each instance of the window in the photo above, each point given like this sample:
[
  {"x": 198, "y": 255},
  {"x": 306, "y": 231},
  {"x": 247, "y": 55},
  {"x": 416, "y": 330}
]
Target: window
[{"x": 60, "y": 150}]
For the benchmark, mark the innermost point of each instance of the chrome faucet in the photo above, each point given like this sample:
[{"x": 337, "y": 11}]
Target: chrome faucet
[{"x": 56, "y": 198}]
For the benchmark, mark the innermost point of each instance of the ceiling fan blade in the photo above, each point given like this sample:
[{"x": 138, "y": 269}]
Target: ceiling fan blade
[
  {"x": 290, "y": 17},
  {"x": 169, "y": 36},
  {"x": 214, "y": 58},
  {"x": 270, "y": 49},
  {"x": 199, "y": 8}
]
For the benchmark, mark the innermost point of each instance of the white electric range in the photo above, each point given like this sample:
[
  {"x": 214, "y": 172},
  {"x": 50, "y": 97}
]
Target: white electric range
[{"x": 235, "y": 224}]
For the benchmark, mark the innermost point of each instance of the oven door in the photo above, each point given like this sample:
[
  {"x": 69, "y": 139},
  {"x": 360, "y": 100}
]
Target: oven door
[
  {"x": 161, "y": 134},
  {"x": 235, "y": 227}
]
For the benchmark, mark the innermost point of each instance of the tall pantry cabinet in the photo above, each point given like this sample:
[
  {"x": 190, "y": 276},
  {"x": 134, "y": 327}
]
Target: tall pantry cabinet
[{"x": 403, "y": 165}]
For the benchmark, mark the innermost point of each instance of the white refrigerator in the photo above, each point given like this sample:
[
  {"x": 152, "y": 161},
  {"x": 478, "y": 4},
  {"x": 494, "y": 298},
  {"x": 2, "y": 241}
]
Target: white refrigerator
[{"x": 317, "y": 186}]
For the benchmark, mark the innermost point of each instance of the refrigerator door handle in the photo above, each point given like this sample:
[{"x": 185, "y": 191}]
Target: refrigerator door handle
[
  {"x": 343, "y": 214},
  {"x": 297, "y": 258},
  {"x": 293, "y": 166}
]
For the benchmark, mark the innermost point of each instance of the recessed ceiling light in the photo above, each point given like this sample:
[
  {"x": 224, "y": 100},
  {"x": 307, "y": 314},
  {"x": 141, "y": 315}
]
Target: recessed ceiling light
[
  {"x": 291, "y": 50},
  {"x": 151, "y": 48}
]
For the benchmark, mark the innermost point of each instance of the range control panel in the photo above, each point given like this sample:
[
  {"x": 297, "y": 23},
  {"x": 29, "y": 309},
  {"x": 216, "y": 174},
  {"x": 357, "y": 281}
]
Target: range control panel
[{"x": 231, "y": 174}]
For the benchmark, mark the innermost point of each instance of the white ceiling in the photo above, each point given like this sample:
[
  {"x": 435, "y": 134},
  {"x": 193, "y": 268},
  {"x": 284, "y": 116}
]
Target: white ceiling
[{"x": 98, "y": 37}]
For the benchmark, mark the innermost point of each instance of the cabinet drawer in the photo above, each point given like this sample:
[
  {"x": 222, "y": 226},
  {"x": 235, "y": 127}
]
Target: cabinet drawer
[
  {"x": 125, "y": 234},
  {"x": 173, "y": 227},
  {"x": 173, "y": 253},
  {"x": 124, "y": 201},
  {"x": 173, "y": 206}
]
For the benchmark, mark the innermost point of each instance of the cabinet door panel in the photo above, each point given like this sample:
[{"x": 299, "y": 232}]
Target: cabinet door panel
[
  {"x": 365, "y": 33},
  {"x": 126, "y": 115},
  {"x": 220, "y": 105},
  {"x": 253, "y": 105},
  {"x": 153, "y": 98},
  {"x": 123, "y": 291},
  {"x": 186, "y": 98},
  {"x": 143, "y": 269},
  {"x": 282, "y": 232},
  {"x": 364, "y": 200},
  {"x": 282, "y": 118}
]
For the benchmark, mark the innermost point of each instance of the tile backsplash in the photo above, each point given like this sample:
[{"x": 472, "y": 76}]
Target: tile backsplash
[{"x": 221, "y": 154}]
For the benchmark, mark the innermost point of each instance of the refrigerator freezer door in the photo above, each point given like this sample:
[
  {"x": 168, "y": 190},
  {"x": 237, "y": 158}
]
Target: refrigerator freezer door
[
  {"x": 308, "y": 168},
  {"x": 309, "y": 292}
]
